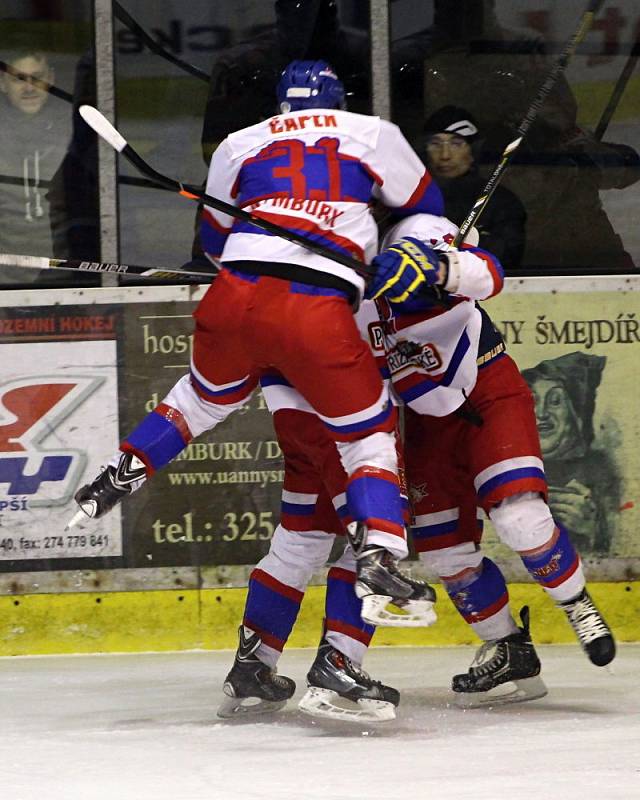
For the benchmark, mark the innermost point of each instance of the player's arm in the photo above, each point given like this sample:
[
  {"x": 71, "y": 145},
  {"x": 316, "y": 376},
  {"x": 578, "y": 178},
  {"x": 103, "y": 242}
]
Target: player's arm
[
  {"x": 404, "y": 270},
  {"x": 408, "y": 267},
  {"x": 472, "y": 272},
  {"x": 214, "y": 225},
  {"x": 407, "y": 186}
]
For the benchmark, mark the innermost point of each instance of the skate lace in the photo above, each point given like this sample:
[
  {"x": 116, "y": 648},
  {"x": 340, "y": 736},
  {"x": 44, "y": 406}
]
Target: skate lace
[
  {"x": 482, "y": 664},
  {"x": 283, "y": 683},
  {"x": 395, "y": 569},
  {"x": 357, "y": 671},
  {"x": 586, "y": 621}
]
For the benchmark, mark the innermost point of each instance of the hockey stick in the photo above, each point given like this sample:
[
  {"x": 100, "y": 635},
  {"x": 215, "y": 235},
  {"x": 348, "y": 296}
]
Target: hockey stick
[
  {"x": 618, "y": 90},
  {"x": 105, "y": 129},
  {"x": 37, "y": 262},
  {"x": 127, "y": 180},
  {"x": 532, "y": 112},
  {"x": 134, "y": 27},
  {"x": 409, "y": 348}
]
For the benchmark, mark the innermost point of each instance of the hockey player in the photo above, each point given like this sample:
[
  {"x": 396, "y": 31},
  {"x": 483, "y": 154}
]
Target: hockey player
[
  {"x": 314, "y": 511},
  {"x": 471, "y": 440},
  {"x": 312, "y": 168}
]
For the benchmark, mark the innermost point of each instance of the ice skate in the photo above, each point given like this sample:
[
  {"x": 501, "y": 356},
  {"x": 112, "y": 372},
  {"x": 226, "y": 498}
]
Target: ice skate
[
  {"x": 112, "y": 484},
  {"x": 379, "y": 582},
  {"x": 253, "y": 687},
  {"x": 503, "y": 671},
  {"x": 340, "y": 689},
  {"x": 592, "y": 631}
]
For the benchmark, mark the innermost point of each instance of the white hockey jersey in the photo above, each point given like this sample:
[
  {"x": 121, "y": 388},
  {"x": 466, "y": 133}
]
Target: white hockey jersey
[
  {"x": 442, "y": 366},
  {"x": 313, "y": 172}
]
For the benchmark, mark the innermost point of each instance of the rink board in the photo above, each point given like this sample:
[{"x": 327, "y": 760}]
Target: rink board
[
  {"x": 168, "y": 569},
  {"x": 111, "y": 622}
]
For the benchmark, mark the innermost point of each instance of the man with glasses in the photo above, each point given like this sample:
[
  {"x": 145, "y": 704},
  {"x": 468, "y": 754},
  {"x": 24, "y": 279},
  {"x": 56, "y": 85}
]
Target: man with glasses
[{"x": 451, "y": 141}]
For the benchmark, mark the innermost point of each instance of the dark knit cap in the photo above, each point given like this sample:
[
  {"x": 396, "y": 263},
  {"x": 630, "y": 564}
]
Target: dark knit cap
[{"x": 452, "y": 119}]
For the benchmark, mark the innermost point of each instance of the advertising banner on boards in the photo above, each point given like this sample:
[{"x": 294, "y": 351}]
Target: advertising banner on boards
[
  {"x": 77, "y": 378},
  {"x": 58, "y": 402},
  {"x": 579, "y": 352},
  {"x": 218, "y": 502}
]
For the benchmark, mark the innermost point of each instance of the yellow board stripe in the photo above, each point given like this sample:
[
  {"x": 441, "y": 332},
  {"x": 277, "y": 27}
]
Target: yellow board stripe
[{"x": 208, "y": 619}]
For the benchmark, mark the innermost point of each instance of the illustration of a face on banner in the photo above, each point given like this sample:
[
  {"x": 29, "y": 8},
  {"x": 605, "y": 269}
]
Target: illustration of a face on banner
[{"x": 584, "y": 481}]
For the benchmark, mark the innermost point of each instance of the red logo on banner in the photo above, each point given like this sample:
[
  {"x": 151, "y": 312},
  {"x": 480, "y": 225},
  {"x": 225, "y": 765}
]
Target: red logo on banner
[{"x": 31, "y": 410}]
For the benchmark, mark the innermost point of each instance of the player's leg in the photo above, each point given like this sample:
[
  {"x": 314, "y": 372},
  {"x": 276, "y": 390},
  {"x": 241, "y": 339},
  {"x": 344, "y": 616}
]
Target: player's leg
[
  {"x": 337, "y": 685},
  {"x": 300, "y": 546},
  {"x": 276, "y": 589},
  {"x": 511, "y": 487},
  {"x": 345, "y": 389},
  {"x": 446, "y": 535},
  {"x": 313, "y": 475},
  {"x": 220, "y": 381}
]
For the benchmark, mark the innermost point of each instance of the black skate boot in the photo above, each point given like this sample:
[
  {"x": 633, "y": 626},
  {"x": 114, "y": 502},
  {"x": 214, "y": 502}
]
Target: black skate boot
[
  {"x": 112, "y": 484},
  {"x": 380, "y": 582},
  {"x": 253, "y": 681},
  {"x": 503, "y": 671},
  {"x": 333, "y": 676},
  {"x": 592, "y": 631}
]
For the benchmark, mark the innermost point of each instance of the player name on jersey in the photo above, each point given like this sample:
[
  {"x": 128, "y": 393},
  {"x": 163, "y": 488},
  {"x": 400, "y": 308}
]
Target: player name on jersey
[{"x": 299, "y": 123}]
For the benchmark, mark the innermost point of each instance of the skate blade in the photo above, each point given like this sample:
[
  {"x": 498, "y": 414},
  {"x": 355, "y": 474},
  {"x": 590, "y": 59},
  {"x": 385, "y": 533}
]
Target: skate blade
[
  {"x": 77, "y": 519},
  {"x": 234, "y": 707},
  {"x": 413, "y": 614},
  {"x": 518, "y": 691},
  {"x": 323, "y": 703}
]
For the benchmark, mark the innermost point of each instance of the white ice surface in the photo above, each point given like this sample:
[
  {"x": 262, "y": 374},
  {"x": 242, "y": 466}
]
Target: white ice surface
[{"x": 143, "y": 727}]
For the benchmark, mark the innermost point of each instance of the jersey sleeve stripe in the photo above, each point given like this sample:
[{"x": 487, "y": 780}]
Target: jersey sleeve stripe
[
  {"x": 493, "y": 265},
  {"x": 213, "y": 235},
  {"x": 426, "y": 198},
  {"x": 307, "y": 228}
]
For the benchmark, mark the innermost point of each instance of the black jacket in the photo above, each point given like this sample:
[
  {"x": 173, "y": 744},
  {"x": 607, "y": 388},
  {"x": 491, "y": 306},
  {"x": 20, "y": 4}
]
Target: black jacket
[{"x": 502, "y": 223}]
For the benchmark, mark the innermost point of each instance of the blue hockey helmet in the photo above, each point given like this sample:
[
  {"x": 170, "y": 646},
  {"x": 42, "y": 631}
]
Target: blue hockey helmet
[{"x": 309, "y": 84}]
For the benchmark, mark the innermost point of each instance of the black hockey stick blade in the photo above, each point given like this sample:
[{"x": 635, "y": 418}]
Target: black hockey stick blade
[
  {"x": 559, "y": 66},
  {"x": 108, "y": 132},
  {"x": 37, "y": 262},
  {"x": 126, "y": 19}
]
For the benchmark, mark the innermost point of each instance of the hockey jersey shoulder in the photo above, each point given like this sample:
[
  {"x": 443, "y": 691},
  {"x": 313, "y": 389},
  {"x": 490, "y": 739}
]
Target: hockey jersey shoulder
[
  {"x": 316, "y": 122},
  {"x": 438, "y": 232},
  {"x": 474, "y": 273}
]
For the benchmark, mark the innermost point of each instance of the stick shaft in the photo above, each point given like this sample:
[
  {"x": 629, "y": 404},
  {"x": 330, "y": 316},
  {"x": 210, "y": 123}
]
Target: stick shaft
[
  {"x": 532, "y": 112},
  {"x": 618, "y": 89},
  {"x": 112, "y": 136},
  {"x": 156, "y": 48},
  {"x": 194, "y": 193},
  {"x": 38, "y": 262}
]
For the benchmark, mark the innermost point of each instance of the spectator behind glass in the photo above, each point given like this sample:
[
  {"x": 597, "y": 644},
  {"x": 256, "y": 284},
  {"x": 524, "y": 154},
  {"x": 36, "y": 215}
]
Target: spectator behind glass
[
  {"x": 35, "y": 130},
  {"x": 48, "y": 171},
  {"x": 469, "y": 58},
  {"x": 242, "y": 79},
  {"x": 451, "y": 138},
  {"x": 74, "y": 194}
]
